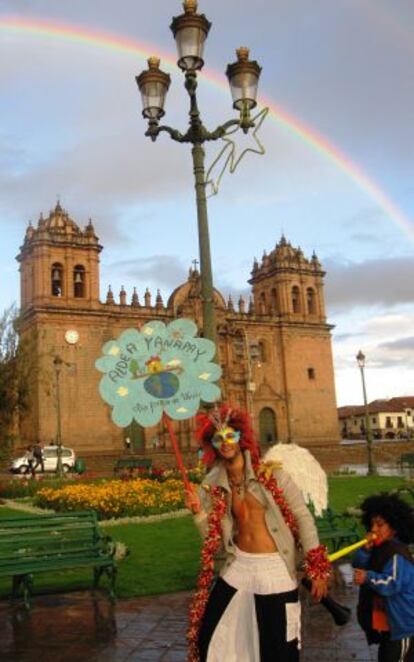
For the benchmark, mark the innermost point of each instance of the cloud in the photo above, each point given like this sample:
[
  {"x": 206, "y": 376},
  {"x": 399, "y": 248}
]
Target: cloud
[
  {"x": 399, "y": 352},
  {"x": 165, "y": 270},
  {"x": 385, "y": 282},
  {"x": 387, "y": 341},
  {"x": 390, "y": 323},
  {"x": 400, "y": 344}
]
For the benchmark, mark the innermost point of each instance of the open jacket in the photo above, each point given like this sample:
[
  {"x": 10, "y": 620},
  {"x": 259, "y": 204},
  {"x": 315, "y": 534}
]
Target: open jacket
[
  {"x": 394, "y": 582},
  {"x": 276, "y": 525}
]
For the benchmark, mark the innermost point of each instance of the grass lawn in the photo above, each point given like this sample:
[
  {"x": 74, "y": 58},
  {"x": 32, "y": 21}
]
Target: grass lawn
[
  {"x": 345, "y": 491},
  {"x": 165, "y": 555},
  {"x": 11, "y": 512}
]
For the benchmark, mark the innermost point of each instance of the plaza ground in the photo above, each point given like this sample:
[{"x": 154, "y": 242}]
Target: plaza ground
[{"x": 85, "y": 626}]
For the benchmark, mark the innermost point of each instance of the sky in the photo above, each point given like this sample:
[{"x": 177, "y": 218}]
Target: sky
[{"x": 336, "y": 177}]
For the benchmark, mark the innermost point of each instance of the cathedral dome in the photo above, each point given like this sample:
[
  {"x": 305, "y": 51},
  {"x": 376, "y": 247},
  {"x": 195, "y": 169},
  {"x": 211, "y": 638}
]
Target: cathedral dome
[{"x": 188, "y": 292}]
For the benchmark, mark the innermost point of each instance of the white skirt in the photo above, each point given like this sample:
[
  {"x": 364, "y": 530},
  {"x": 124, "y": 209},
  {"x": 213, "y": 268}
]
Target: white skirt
[{"x": 236, "y": 637}]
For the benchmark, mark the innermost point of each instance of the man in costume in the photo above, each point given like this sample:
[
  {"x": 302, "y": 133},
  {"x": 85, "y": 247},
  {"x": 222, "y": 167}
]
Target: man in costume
[
  {"x": 256, "y": 517},
  {"x": 385, "y": 574}
]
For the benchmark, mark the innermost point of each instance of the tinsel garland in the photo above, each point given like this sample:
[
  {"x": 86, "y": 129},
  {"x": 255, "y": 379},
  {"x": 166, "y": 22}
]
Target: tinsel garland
[
  {"x": 270, "y": 483},
  {"x": 316, "y": 564},
  {"x": 210, "y": 548}
]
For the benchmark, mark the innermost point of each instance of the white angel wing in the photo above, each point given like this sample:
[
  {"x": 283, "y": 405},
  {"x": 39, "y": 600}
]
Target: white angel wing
[{"x": 304, "y": 470}]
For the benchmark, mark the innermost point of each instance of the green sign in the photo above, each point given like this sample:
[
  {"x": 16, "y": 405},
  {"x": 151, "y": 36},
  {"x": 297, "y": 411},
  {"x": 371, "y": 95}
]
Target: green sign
[{"x": 159, "y": 368}]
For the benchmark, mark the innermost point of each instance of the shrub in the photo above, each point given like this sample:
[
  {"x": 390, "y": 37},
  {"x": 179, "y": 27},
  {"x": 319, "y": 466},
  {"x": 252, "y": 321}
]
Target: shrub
[
  {"x": 20, "y": 487},
  {"x": 161, "y": 474}
]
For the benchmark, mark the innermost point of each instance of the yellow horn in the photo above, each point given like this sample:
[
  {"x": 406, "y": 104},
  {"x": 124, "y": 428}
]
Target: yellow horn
[{"x": 347, "y": 550}]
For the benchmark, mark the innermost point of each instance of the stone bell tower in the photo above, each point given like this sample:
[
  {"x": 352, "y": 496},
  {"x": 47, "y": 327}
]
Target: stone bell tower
[
  {"x": 59, "y": 263},
  {"x": 288, "y": 292},
  {"x": 59, "y": 285},
  {"x": 288, "y": 285}
]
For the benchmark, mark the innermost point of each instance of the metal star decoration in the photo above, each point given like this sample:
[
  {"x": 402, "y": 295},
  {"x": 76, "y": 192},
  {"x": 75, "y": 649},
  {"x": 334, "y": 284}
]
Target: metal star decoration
[{"x": 231, "y": 160}]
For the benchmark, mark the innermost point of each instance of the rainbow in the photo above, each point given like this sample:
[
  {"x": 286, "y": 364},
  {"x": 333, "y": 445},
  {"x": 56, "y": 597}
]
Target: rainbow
[{"x": 301, "y": 131}]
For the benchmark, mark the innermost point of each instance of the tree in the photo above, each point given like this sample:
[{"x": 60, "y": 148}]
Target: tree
[{"x": 13, "y": 384}]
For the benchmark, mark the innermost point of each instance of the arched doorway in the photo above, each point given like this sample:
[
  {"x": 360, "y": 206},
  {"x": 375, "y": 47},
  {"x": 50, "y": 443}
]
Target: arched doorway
[
  {"x": 267, "y": 427},
  {"x": 135, "y": 432}
]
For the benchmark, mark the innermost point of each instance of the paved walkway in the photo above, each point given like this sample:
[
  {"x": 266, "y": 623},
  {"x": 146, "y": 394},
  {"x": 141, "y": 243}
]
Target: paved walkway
[{"x": 80, "y": 626}]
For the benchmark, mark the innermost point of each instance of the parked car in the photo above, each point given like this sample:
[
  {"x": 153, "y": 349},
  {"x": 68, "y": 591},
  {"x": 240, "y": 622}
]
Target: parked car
[{"x": 21, "y": 466}]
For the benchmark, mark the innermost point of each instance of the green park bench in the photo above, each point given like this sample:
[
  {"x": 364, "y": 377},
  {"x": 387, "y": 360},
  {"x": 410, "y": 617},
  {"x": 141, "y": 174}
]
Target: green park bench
[
  {"x": 131, "y": 463},
  {"x": 50, "y": 543},
  {"x": 406, "y": 460},
  {"x": 337, "y": 531}
]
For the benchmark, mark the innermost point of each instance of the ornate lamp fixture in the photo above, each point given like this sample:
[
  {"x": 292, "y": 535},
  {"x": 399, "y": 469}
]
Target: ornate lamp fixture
[
  {"x": 153, "y": 85},
  {"x": 190, "y": 31},
  {"x": 243, "y": 77}
]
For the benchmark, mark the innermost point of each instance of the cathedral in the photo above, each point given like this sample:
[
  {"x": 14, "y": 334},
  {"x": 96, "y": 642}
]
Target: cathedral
[{"x": 274, "y": 350}]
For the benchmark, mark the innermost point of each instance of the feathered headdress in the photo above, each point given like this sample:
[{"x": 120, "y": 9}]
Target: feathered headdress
[{"x": 208, "y": 423}]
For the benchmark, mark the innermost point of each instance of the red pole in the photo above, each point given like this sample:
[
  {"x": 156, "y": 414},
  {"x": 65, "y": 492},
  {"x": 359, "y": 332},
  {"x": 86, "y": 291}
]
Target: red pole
[{"x": 166, "y": 419}]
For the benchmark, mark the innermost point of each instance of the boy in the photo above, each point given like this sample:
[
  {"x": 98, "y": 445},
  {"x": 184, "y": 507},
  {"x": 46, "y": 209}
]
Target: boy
[{"x": 384, "y": 571}]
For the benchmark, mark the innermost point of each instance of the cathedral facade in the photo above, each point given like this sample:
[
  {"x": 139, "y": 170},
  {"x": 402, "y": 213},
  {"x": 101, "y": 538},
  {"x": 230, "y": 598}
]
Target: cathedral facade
[{"x": 274, "y": 350}]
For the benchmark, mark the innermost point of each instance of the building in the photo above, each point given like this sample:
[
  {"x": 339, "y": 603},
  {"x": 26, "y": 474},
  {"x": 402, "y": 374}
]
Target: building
[
  {"x": 275, "y": 350},
  {"x": 389, "y": 419}
]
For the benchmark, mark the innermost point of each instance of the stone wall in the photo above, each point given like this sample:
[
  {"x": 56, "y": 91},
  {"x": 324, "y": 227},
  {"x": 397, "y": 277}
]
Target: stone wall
[{"x": 330, "y": 456}]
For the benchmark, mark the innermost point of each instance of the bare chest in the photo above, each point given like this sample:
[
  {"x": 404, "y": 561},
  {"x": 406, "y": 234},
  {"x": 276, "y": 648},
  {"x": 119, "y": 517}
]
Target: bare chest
[{"x": 245, "y": 507}]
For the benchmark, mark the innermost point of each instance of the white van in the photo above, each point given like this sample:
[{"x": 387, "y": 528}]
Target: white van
[{"x": 21, "y": 465}]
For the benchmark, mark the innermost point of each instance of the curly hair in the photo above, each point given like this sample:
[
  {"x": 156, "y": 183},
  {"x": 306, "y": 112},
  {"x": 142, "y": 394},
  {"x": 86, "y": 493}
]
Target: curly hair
[
  {"x": 398, "y": 514},
  {"x": 236, "y": 419}
]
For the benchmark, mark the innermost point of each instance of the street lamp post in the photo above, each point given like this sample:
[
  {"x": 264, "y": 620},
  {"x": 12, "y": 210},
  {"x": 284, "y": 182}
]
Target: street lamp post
[
  {"x": 250, "y": 384},
  {"x": 190, "y": 31},
  {"x": 57, "y": 362},
  {"x": 360, "y": 357}
]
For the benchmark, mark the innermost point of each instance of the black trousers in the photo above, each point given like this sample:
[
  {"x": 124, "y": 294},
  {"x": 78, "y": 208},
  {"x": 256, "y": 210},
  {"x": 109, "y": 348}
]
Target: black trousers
[
  {"x": 401, "y": 650},
  {"x": 271, "y": 622},
  {"x": 36, "y": 462}
]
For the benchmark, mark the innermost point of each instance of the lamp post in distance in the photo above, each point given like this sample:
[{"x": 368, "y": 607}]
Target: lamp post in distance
[
  {"x": 360, "y": 357},
  {"x": 190, "y": 32},
  {"x": 58, "y": 362}
]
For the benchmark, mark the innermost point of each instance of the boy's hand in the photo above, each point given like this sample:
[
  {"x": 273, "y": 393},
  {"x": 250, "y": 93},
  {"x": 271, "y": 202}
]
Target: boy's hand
[
  {"x": 192, "y": 500},
  {"x": 371, "y": 538},
  {"x": 360, "y": 576}
]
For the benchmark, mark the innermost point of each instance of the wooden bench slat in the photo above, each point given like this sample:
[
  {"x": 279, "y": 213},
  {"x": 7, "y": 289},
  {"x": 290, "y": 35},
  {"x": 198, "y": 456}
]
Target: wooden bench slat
[
  {"x": 65, "y": 525},
  {"x": 86, "y": 515},
  {"x": 42, "y": 552},
  {"x": 44, "y": 543},
  {"x": 51, "y": 535}
]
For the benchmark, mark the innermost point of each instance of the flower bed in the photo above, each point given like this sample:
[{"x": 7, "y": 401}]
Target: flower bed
[
  {"x": 115, "y": 498},
  {"x": 24, "y": 486}
]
